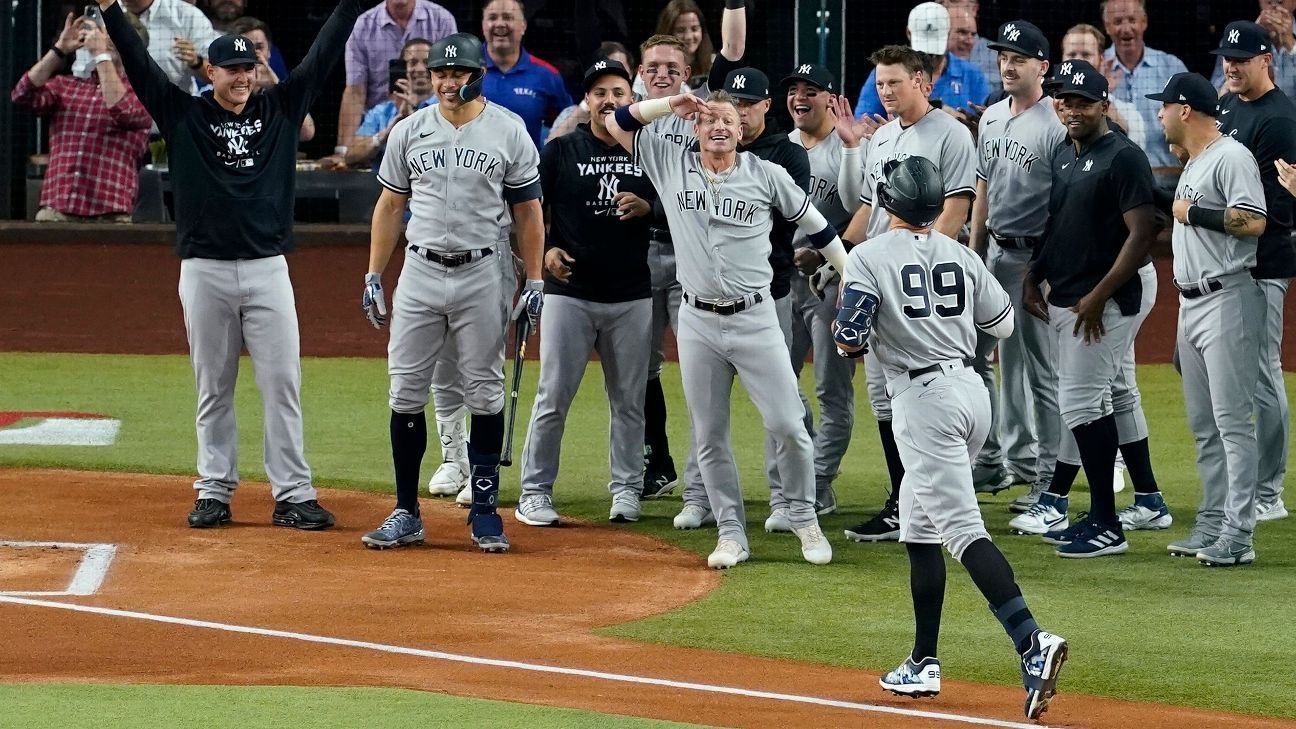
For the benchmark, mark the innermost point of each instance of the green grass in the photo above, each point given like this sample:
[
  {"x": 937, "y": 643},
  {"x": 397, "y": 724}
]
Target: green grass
[
  {"x": 176, "y": 707},
  {"x": 1142, "y": 626}
]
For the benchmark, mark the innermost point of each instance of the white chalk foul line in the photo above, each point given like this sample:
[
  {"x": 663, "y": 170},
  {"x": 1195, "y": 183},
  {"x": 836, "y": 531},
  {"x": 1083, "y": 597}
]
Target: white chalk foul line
[
  {"x": 518, "y": 665},
  {"x": 90, "y": 572}
]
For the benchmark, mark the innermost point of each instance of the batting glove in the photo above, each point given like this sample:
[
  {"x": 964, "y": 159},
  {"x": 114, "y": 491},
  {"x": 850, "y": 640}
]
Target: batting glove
[
  {"x": 530, "y": 302},
  {"x": 821, "y": 279},
  {"x": 372, "y": 302}
]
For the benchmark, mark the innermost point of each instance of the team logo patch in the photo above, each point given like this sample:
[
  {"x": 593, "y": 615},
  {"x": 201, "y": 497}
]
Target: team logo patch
[
  {"x": 240, "y": 44},
  {"x": 740, "y": 82},
  {"x": 600, "y": 65},
  {"x": 803, "y": 68},
  {"x": 1078, "y": 79},
  {"x": 1088, "y": 166},
  {"x": 1011, "y": 32},
  {"x": 1234, "y": 36},
  {"x": 452, "y": 52},
  {"x": 1065, "y": 70}
]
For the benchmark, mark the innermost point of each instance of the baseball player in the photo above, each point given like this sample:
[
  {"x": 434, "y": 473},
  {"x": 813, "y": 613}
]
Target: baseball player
[
  {"x": 1219, "y": 211},
  {"x": 598, "y": 296},
  {"x": 233, "y": 155},
  {"x": 917, "y": 129},
  {"x": 1262, "y": 117},
  {"x": 463, "y": 166},
  {"x": 921, "y": 296},
  {"x": 1099, "y": 229},
  {"x": 1016, "y": 140},
  {"x": 719, "y": 204},
  {"x": 825, "y": 129}
]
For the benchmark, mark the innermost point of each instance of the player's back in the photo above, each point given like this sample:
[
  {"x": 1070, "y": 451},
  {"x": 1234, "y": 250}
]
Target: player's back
[{"x": 933, "y": 292}]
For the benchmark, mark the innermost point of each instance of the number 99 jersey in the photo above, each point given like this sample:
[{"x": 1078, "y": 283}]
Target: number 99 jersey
[{"x": 934, "y": 294}]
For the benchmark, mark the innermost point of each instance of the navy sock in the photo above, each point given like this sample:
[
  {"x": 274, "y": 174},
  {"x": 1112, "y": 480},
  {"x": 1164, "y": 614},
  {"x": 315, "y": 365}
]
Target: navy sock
[
  {"x": 1064, "y": 475},
  {"x": 486, "y": 438},
  {"x": 927, "y": 585},
  {"x": 1098, "y": 444},
  {"x": 993, "y": 576},
  {"x": 1138, "y": 462},
  {"x": 656, "y": 444},
  {"x": 408, "y": 442},
  {"x": 895, "y": 468}
]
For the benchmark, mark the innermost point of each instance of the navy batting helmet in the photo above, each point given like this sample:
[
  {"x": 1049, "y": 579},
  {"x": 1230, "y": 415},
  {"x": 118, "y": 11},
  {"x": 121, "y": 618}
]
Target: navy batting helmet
[
  {"x": 912, "y": 191},
  {"x": 461, "y": 50}
]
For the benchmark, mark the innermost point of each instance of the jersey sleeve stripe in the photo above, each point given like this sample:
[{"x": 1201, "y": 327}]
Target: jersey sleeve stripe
[
  {"x": 1008, "y": 310},
  {"x": 961, "y": 191},
  {"x": 394, "y": 188},
  {"x": 1252, "y": 208},
  {"x": 805, "y": 207},
  {"x": 525, "y": 183},
  {"x": 515, "y": 195}
]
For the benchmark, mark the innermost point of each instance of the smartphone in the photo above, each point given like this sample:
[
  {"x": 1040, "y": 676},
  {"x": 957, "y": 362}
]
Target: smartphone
[
  {"x": 395, "y": 72},
  {"x": 92, "y": 12}
]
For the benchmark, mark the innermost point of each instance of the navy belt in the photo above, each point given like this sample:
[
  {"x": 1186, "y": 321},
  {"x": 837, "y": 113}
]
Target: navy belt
[
  {"x": 660, "y": 235},
  {"x": 451, "y": 260},
  {"x": 723, "y": 307},
  {"x": 1016, "y": 244},
  {"x": 933, "y": 369},
  {"x": 1193, "y": 292}
]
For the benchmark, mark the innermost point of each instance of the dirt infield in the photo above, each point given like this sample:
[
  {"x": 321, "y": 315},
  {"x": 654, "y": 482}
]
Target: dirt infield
[
  {"x": 122, "y": 299},
  {"x": 534, "y": 606}
]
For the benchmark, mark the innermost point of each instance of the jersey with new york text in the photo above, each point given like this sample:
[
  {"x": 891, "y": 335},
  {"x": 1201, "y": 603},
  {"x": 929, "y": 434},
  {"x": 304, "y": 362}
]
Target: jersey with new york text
[
  {"x": 719, "y": 224},
  {"x": 937, "y": 136},
  {"x": 934, "y": 294},
  {"x": 1223, "y": 175},
  {"x": 825, "y": 166},
  {"x": 461, "y": 181},
  {"x": 1015, "y": 158}
]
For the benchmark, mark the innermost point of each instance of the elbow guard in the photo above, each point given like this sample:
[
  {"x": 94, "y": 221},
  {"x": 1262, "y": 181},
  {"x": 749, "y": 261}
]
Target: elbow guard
[{"x": 855, "y": 317}]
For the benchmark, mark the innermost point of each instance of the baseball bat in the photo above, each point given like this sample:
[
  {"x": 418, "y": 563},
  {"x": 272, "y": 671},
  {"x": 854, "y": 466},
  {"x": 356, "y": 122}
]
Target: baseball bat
[{"x": 520, "y": 335}]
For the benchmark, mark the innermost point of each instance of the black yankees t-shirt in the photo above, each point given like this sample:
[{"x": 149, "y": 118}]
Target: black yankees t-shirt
[
  {"x": 580, "y": 175},
  {"x": 1091, "y": 193},
  {"x": 1267, "y": 127}
]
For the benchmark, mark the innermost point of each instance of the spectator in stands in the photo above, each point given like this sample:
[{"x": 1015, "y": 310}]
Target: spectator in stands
[
  {"x": 1275, "y": 17},
  {"x": 223, "y": 13},
  {"x": 1137, "y": 70},
  {"x": 178, "y": 36},
  {"x": 579, "y": 113},
  {"x": 98, "y": 128},
  {"x": 965, "y": 43},
  {"x": 684, "y": 20},
  {"x": 378, "y": 37},
  {"x": 266, "y": 74},
  {"x": 412, "y": 93},
  {"x": 516, "y": 80},
  {"x": 957, "y": 84},
  {"x": 1084, "y": 42}
]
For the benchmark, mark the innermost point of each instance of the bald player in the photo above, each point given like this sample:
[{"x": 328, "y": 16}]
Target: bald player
[
  {"x": 1016, "y": 140},
  {"x": 468, "y": 170},
  {"x": 719, "y": 204},
  {"x": 1219, "y": 212},
  {"x": 919, "y": 298},
  {"x": 917, "y": 129}
]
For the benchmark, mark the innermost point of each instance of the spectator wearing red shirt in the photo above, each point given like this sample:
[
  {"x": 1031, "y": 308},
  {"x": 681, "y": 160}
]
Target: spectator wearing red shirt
[{"x": 98, "y": 128}]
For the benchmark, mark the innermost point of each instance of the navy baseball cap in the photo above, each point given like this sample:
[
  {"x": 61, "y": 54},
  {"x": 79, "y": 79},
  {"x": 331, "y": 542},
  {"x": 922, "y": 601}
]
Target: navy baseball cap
[
  {"x": 750, "y": 84},
  {"x": 813, "y": 74},
  {"x": 232, "y": 50},
  {"x": 1190, "y": 89},
  {"x": 1244, "y": 39},
  {"x": 605, "y": 67},
  {"x": 1077, "y": 78},
  {"x": 1022, "y": 37}
]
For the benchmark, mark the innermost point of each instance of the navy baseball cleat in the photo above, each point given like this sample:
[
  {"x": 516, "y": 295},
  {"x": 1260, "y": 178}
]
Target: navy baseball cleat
[
  {"x": 1098, "y": 540},
  {"x": 301, "y": 515},
  {"x": 487, "y": 527},
  {"x": 1040, "y": 666},
  {"x": 1069, "y": 534},
  {"x": 915, "y": 679},
  {"x": 208, "y": 513},
  {"x": 397, "y": 530},
  {"x": 660, "y": 477}
]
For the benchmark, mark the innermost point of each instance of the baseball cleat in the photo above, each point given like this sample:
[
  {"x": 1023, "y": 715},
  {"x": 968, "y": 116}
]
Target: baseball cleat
[
  {"x": 1023, "y": 503},
  {"x": 883, "y": 527},
  {"x": 301, "y": 515},
  {"x": 450, "y": 478},
  {"x": 1271, "y": 510},
  {"x": 1118, "y": 478},
  {"x": 915, "y": 680},
  {"x": 625, "y": 507},
  {"x": 659, "y": 479},
  {"x": 398, "y": 530},
  {"x": 825, "y": 498},
  {"x": 1149, "y": 511},
  {"x": 1098, "y": 540},
  {"x": 1068, "y": 534},
  {"x": 1192, "y": 544},
  {"x": 464, "y": 499},
  {"x": 536, "y": 510},
  {"x": 990, "y": 479},
  {"x": 1041, "y": 665},
  {"x": 693, "y": 516},
  {"x": 778, "y": 521},
  {"x": 1046, "y": 516},
  {"x": 727, "y": 554},
  {"x": 208, "y": 513},
  {"x": 1227, "y": 553},
  {"x": 814, "y": 545}
]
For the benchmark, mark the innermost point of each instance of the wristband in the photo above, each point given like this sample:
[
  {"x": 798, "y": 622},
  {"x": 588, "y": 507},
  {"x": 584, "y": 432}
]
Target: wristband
[
  {"x": 340, "y": 150},
  {"x": 535, "y": 284},
  {"x": 1208, "y": 218},
  {"x": 102, "y": 58},
  {"x": 653, "y": 109},
  {"x": 735, "y": 4},
  {"x": 59, "y": 53},
  {"x": 626, "y": 120},
  {"x": 852, "y": 152}
]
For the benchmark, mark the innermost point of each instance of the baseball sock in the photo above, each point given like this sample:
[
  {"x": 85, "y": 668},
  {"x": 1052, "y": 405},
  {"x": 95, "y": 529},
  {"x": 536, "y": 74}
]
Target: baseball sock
[
  {"x": 1064, "y": 475},
  {"x": 655, "y": 421},
  {"x": 895, "y": 468},
  {"x": 993, "y": 576},
  {"x": 409, "y": 441},
  {"x": 1138, "y": 462},
  {"x": 1098, "y": 442},
  {"x": 487, "y": 435},
  {"x": 927, "y": 585}
]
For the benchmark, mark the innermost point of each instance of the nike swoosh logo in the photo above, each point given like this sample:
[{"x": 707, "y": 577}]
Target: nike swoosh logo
[
  {"x": 992, "y": 121},
  {"x": 1068, "y": 164},
  {"x": 1225, "y": 111},
  {"x": 928, "y": 382},
  {"x": 884, "y": 142},
  {"x": 426, "y": 134}
]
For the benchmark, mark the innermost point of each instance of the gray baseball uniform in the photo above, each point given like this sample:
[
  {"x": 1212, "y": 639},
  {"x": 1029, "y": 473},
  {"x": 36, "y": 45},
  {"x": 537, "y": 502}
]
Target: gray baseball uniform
[
  {"x": 1015, "y": 159},
  {"x": 1221, "y": 322},
  {"x": 935, "y": 295},
  {"x": 948, "y": 144},
  {"x": 720, "y": 225},
  {"x": 461, "y": 181}
]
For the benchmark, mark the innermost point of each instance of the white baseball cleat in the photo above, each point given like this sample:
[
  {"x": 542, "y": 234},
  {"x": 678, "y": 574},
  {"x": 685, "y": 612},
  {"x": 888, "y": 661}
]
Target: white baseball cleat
[
  {"x": 727, "y": 554},
  {"x": 778, "y": 521},
  {"x": 814, "y": 545},
  {"x": 914, "y": 679},
  {"x": 693, "y": 516}
]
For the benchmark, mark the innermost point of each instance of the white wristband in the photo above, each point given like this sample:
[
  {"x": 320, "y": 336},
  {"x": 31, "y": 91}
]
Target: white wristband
[
  {"x": 102, "y": 58},
  {"x": 653, "y": 109},
  {"x": 340, "y": 149},
  {"x": 852, "y": 152}
]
